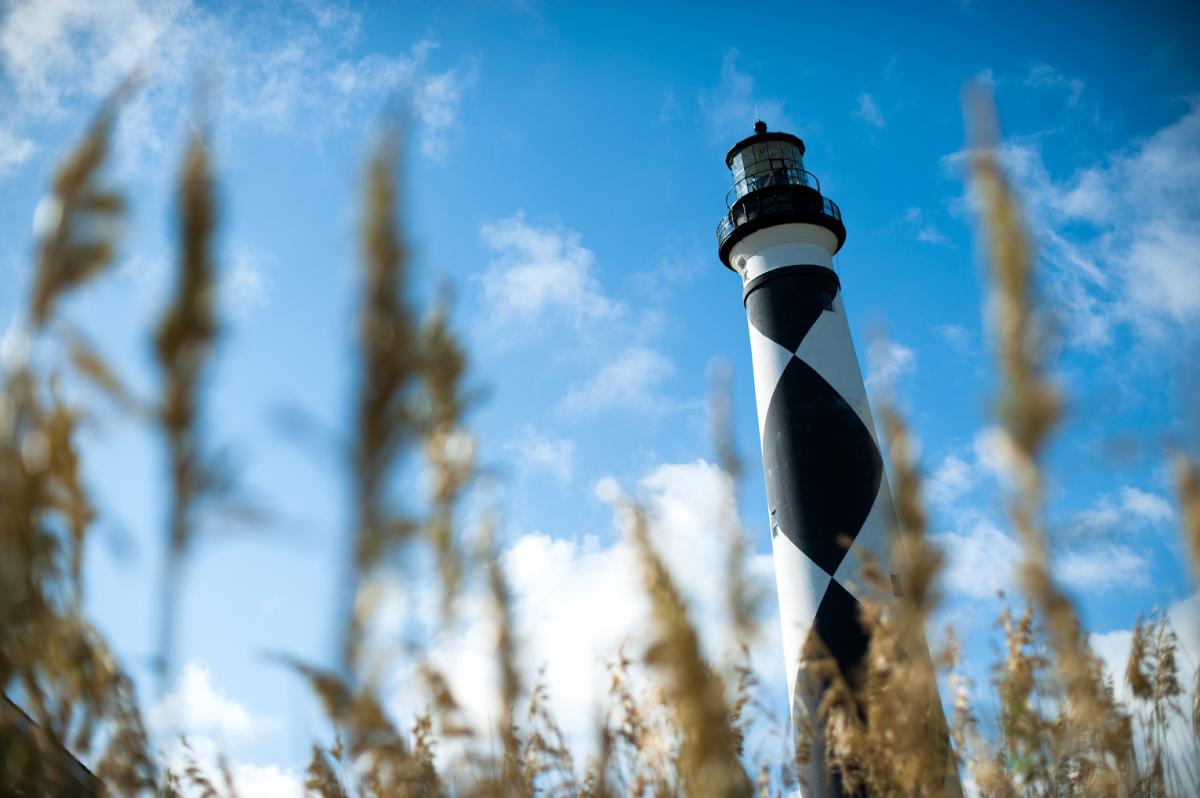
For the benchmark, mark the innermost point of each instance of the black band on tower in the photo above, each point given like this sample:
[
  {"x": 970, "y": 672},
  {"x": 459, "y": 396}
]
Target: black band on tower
[{"x": 820, "y": 273}]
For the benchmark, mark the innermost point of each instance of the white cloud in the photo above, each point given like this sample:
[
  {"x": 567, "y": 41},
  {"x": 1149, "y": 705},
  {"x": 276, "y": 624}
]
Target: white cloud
[
  {"x": 629, "y": 381},
  {"x": 245, "y": 285},
  {"x": 14, "y": 150},
  {"x": 1097, "y": 568},
  {"x": 577, "y": 602},
  {"x": 58, "y": 51},
  {"x": 995, "y": 454},
  {"x": 950, "y": 480},
  {"x": 1121, "y": 237},
  {"x": 1046, "y": 76},
  {"x": 250, "y": 780},
  {"x": 267, "y": 781},
  {"x": 214, "y": 725},
  {"x": 538, "y": 453},
  {"x": 1148, "y": 506},
  {"x": 669, "y": 110},
  {"x": 930, "y": 234},
  {"x": 1131, "y": 510},
  {"x": 887, "y": 362},
  {"x": 956, "y": 335},
  {"x": 290, "y": 69},
  {"x": 15, "y": 345},
  {"x": 732, "y": 108},
  {"x": 868, "y": 111},
  {"x": 980, "y": 560},
  {"x": 196, "y": 707},
  {"x": 608, "y": 490},
  {"x": 925, "y": 231},
  {"x": 541, "y": 274}
]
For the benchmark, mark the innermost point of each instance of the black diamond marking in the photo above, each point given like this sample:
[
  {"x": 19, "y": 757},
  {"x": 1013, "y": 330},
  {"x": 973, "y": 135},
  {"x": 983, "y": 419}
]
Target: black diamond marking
[
  {"x": 838, "y": 627},
  {"x": 823, "y": 469},
  {"x": 786, "y": 310}
]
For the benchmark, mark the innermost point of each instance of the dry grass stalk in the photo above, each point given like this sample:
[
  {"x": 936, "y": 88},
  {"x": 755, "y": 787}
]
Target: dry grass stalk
[
  {"x": 389, "y": 368},
  {"x": 1029, "y": 409},
  {"x": 1152, "y": 675},
  {"x": 1187, "y": 480},
  {"x": 513, "y": 777},
  {"x": 183, "y": 345},
  {"x": 743, "y": 597},
  {"x": 51, "y": 658},
  {"x": 637, "y": 743},
  {"x": 548, "y": 761},
  {"x": 709, "y": 763},
  {"x": 321, "y": 776},
  {"x": 77, "y": 222},
  {"x": 904, "y": 746}
]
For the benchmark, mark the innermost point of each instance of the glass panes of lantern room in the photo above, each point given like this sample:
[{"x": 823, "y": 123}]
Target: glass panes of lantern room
[{"x": 765, "y": 157}]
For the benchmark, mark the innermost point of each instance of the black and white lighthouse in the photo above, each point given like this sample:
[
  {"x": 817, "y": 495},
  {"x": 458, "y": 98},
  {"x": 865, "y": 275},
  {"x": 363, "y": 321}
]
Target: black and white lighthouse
[{"x": 827, "y": 493}]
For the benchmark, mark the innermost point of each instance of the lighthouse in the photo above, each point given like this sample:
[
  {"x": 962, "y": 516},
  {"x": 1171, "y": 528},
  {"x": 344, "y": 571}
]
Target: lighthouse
[{"x": 827, "y": 494}]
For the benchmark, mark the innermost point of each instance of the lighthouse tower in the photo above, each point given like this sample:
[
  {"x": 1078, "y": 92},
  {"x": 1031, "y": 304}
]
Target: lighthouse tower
[{"x": 826, "y": 491}]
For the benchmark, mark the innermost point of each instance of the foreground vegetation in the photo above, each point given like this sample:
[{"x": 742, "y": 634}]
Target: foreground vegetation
[{"x": 675, "y": 723}]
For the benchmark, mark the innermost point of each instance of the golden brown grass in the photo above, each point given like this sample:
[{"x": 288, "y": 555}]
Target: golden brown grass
[{"x": 674, "y": 724}]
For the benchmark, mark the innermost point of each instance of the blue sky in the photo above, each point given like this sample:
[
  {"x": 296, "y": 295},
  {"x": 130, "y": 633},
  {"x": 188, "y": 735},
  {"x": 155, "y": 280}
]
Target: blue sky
[{"x": 564, "y": 174}]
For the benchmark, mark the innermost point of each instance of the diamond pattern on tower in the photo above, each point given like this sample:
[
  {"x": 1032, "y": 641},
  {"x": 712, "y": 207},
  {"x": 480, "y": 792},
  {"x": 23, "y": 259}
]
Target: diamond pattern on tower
[
  {"x": 829, "y": 350},
  {"x": 793, "y": 307},
  {"x": 822, "y": 465},
  {"x": 838, "y": 627},
  {"x": 770, "y": 359}
]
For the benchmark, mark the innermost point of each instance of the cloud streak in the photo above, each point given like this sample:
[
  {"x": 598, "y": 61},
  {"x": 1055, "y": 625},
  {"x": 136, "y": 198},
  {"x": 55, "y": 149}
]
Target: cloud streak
[
  {"x": 541, "y": 274},
  {"x": 868, "y": 111},
  {"x": 629, "y": 382},
  {"x": 1121, "y": 237},
  {"x": 734, "y": 104},
  {"x": 292, "y": 69}
]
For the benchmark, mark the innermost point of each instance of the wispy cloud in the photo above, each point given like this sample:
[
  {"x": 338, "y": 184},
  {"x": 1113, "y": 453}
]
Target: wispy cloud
[
  {"x": 292, "y": 69},
  {"x": 734, "y": 105},
  {"x": 953, "y": 477},
  {"x": 980, "y": 559},
  {"x": 1092, "y": 551},
  {"x": 14, "y": 150},
  {"x": 1122, "y": 514},
  {"x": 1099, "y": 568},
  {"x": 923, "y": 229},
  {"x": 887, "y": 362},
  {"x": 1045, "y": 76},
  {"x": 541, "y": 274},
  {"x": 868, "y": 111},
  {"x": 956, "y": 335},
  {"x": 669, "y": 110},
  {"x": 629, "y": 381},
  {"x": 245, "y": 285},
  {"x": 538, "y": 453},
  {"x": 1121, "y": 237}
]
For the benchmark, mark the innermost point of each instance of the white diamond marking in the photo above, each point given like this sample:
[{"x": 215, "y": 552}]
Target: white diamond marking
[
  {"x": 801, "y": 584},
  {"x": 770, "y": 359}
]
